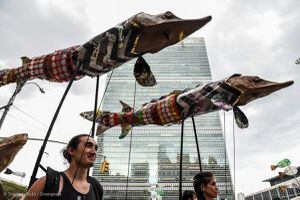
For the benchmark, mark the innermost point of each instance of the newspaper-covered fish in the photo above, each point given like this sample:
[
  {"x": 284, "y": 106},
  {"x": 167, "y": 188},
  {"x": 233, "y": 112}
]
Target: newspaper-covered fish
[
  {"x": 9, "y": 147},
  {"x": 142, "y": 33},
  {"x": 227, "y": 94}
]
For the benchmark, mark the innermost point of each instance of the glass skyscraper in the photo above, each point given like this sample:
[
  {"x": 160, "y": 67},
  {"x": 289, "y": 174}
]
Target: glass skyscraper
[{"x": 155, "y": 150}]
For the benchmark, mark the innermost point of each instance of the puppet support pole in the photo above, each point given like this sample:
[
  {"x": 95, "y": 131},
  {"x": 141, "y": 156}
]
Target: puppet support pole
[
  {"x": 180, "y": 167},
  {"x": 197, "y": 144},
  {"x": 42, "y": 149},
  {"x": 95, "y": 107},
  {"x": 181, "y": 152},
  {"x": 11, "y": 100}
]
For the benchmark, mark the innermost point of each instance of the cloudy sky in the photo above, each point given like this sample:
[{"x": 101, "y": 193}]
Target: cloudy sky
[{"x": 249, "y": 37}]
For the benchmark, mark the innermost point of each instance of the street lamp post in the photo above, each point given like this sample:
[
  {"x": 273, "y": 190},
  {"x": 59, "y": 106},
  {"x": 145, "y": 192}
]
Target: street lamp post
[
  {"x": 12, "y": 98},
  {"x": 20, "y": 174}
]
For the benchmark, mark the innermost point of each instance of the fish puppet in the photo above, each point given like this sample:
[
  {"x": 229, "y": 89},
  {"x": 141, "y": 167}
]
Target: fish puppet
[
  {"x": 9, "y": 147},
  {"x": 281, "y": 164},
  {"x": 227, "y": 94},
  {"x": 142, "y": 33}
]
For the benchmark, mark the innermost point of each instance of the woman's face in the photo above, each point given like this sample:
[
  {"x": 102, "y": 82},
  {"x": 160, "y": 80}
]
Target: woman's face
[{"x": 211, "y": 189}]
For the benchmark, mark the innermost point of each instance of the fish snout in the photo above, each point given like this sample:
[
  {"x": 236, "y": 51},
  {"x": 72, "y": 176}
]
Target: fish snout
[
  {"x": 273, "y": 87},
  {"x": 19, "y": 139}
]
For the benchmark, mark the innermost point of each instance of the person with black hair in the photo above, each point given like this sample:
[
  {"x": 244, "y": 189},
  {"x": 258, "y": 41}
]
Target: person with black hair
[
  {"x": 189, "y": 195},
  {"x": 205, "y": 186},
  {"x": 74, "y": 182}
]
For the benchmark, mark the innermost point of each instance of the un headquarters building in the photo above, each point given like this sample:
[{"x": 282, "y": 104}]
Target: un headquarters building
[{"x": 152, "y": 171}]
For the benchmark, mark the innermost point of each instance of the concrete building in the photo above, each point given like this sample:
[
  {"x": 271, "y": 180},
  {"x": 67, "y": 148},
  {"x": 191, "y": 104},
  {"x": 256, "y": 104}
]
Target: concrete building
[{"x": 286, "y": 187}]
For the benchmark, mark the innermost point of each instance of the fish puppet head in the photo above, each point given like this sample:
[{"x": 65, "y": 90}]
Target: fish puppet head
[
  {"x": 156, "y": 32},
  {"x": 142, "y": 33},
  {"x": 241, "y": 90},
  {"x": 9, "y": 147},
  {"x": 254, "y": 87}
]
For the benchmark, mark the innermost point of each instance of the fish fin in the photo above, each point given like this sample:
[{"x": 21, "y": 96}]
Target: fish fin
[
  {"x": 273, "y": 167},
  {"x": 177, "y": 92},
  {"x": 143, "y": 73},
  {"x": 125, "y": 107},
  {"x": 221, "y": 102},
  {"x": 125, "y": 130},
  {"x": 25, "y": 60},
  {"x": 174, "y": 92},
  {"x": 101, "y": 129},
  {"x": 240, "y": 118},
  {"x": 89, "y": 115}
]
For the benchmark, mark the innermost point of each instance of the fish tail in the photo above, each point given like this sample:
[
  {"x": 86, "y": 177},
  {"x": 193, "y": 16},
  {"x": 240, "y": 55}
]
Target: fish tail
[
  {"x": 273, "y": 167},
  {"x": 7, "y": 76},
  {"x": 105, "y": 120}
]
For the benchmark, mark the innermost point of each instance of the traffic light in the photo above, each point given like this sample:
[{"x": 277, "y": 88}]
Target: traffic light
[
  {"x": 104, "y": 168},
  {"x": 282, "y": 188}
]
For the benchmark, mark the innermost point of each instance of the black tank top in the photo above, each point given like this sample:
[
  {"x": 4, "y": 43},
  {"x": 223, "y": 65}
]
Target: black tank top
[{"x": 69, "y": 193}]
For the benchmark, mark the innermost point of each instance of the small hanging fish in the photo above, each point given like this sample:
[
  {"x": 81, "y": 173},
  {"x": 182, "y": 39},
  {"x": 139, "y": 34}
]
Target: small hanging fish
[{"x": 281, "y": 164}]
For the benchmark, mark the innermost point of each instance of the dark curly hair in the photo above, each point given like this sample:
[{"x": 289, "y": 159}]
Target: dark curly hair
[
  {"x": 202, "y": 178},
  {"x": 73, "y": 143}
]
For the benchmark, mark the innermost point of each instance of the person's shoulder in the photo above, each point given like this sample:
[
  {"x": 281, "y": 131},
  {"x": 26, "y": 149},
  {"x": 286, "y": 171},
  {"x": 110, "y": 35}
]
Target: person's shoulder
[
  {"x": 52, "y": 181},
  {"x": 40, "y": 182},
  {"x": 97, "y": 186},
  {"x": 36, "y": 189},
  {"x": 94, "y": 181}
]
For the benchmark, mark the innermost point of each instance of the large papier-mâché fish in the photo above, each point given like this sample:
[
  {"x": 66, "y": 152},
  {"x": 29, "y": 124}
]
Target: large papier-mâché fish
[
  {"x": 141, "y": 34},
  {"x": 9, "y": 147},
  {"x": 226, "y": 94}
]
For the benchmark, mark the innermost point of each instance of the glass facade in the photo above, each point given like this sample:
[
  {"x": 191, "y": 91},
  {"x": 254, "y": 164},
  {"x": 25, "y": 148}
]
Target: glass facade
[{"x": 155, "y": 150}]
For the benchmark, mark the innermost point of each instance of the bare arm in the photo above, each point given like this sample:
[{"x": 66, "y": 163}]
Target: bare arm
[{"x": 36, "y": 189}]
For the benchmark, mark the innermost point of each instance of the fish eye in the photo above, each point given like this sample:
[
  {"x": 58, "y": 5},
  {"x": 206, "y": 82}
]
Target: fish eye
[
  {"x": 256, "y": 79},
  {"x": 168, "y": 15}
]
